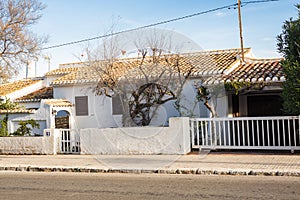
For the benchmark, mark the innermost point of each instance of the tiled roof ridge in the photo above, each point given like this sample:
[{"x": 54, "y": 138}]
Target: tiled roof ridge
[
  {"x": 16, "y": 111},
  {"x": 65, "y": 65},
  {"x": 260, "y": 60},
  {"x": 61, "y": 71},
  {"x": 58, "y": 102},
  {"x": 53, "y": 100},
  {"x": 27, "y": 100},
  {"x": 219, "y": 51},
  {"x": 70, "y": 65}
]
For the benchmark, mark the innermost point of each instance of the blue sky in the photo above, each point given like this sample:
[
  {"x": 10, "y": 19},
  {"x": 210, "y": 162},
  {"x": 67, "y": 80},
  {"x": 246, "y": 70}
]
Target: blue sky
[{"x": 70, "y": 20}]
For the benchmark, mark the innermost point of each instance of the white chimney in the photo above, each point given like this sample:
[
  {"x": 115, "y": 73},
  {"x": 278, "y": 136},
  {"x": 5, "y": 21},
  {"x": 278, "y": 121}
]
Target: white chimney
[{"x": 31, "y": 69}]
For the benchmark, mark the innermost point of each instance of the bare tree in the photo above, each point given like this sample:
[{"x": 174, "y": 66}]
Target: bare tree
[
  {"x": 155, "y": 75},
  {"x": 18, "y": 44}
]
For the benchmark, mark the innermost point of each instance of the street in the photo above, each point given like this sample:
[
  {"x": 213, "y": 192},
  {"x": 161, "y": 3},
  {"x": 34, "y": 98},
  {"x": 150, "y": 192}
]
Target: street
[{"x": 28, "y": 185}]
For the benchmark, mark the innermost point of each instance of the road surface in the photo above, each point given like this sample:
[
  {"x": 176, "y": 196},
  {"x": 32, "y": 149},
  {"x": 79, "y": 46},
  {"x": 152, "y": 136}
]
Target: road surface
[{"x": 27, "y": 185}]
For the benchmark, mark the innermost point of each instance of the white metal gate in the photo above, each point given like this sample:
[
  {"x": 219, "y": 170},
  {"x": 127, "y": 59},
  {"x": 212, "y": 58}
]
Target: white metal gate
[
  {"x": 276, "y": 133},
  {"x": 69, "y": 141}
]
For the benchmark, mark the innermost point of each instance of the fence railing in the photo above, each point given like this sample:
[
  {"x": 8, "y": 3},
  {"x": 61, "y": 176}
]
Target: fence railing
[{"x": 277, "y": 133}]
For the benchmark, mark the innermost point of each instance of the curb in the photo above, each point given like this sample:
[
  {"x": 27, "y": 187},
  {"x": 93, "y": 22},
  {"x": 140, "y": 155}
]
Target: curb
[{"x": 155, "y": 171}]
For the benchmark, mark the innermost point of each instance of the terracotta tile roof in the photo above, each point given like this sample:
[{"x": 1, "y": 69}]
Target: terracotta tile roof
[
  {"x": 82, "y": 75},
  {"x": 253, "y": 70},
  {"x": 59, "y": 103},
  {"x": 205, "y": 63},
  {"x": 9, "y": 88},
  {"x": 44, "y": 93},
  {"x": 215, "y": 62},
  {"x": 62, "y": 71},
  {"x": 18, "y": 111}
]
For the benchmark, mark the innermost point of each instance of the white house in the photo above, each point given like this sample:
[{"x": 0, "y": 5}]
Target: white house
[
  {"x": 65, "y": 97},
  {"x": 69, "y": 92}
]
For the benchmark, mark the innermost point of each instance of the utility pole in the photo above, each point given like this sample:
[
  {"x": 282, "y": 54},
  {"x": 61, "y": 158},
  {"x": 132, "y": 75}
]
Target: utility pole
[{"x": 241, "y": 31}]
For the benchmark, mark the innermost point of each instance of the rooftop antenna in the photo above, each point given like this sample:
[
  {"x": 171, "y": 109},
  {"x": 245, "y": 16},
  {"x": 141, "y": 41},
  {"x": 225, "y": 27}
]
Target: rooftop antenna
[
  {"x": 27, "y": 66},
  {"x": 241, "y": 31}
]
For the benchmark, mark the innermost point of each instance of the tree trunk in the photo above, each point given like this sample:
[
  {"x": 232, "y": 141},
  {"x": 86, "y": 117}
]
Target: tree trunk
[{"x": 211, "y": 109}]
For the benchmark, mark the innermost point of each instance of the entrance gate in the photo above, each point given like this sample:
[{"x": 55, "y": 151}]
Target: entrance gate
[{"x": 69, "y": 142}]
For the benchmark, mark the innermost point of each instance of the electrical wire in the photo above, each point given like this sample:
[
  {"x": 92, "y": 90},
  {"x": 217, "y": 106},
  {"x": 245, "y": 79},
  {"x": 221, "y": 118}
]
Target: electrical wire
[{"x": 232, "y": 6}]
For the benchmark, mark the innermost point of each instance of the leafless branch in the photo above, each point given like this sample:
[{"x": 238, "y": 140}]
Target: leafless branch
[{"x": 18, "y": 44}]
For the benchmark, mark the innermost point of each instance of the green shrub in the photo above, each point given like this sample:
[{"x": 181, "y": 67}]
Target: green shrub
[{"x": 26, "y": 127}]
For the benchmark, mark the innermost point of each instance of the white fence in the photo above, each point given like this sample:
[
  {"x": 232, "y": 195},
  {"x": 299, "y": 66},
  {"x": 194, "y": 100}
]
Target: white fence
[{"x": 277, "y": 133}]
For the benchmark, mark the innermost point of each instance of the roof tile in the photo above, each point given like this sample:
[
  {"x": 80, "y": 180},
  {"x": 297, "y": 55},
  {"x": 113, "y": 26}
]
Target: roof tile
[
  {"x": 44, "y": 93},
  {"x": 205, "y": 63},
  {"x": 58, "y": 102},
  {"x": 254, "y": 70},
  {"x": 62, "y": 71},
  {"x": 18, "y": 111},
  {"x": 9, "y": 88}
]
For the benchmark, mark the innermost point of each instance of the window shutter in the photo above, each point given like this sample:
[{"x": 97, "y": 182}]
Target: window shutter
[
  {"x": 81, "y": 106},
  {"x": 117, "y": 105}
]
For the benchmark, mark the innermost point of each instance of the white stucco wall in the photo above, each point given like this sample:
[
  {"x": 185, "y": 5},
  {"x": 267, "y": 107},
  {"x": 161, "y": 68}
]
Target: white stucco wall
[
  {"x": 48, "y": 143},
  {"x": 38, "y": 131},
  {"x": 21, "y": 145},
  {"x": 26, "y": 145},
  {"x": 222, "y": 105},
  {"x": 42, "y": 116},
  {"x": 30, "y": 105},
  {"x": 100, "y": 108},
  {"x": 174, "y": 139}
]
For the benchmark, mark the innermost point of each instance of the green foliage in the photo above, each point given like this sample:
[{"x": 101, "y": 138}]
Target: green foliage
[
  {"x": 291, "y": 88},
  {"x": 288, "y": 43},
  {"x": 8, "y": 105},
  {"x": 3, "y": 127},
  {"x": 26, "y": 127},
  {"x": 237, "y": 86}
]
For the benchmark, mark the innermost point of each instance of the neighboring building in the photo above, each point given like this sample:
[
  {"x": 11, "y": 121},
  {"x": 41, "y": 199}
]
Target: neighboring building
[
  {"x": 65, "y": 97},
  {"x": 263, "y": 97}
]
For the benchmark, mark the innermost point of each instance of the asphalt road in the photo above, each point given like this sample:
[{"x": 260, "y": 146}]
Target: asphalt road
[{"x": 26, "y": 185}]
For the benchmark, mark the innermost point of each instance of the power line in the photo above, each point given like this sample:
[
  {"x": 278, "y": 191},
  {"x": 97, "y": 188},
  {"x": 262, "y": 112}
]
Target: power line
[
  {"x": 262, "y": 1},
  {"x": 138, "y": 28},
  {"x": 158, "y": 23}
]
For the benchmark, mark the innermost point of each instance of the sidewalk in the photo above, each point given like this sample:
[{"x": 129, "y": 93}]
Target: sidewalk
[{"x": 212, "y": 163}]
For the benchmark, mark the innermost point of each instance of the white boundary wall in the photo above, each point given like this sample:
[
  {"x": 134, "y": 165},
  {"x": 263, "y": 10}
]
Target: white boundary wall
[
  {"x": 25, "y": 145},
  {"x": 174, "y": 139},
  {"x": 46, "y": 144}
]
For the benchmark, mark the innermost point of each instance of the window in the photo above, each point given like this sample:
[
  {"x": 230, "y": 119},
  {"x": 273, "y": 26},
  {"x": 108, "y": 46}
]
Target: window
[
  {"x": 117, "y": 105},
  {"x": 265, "y": 105},
  {"x": 81, "y": 106}
]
